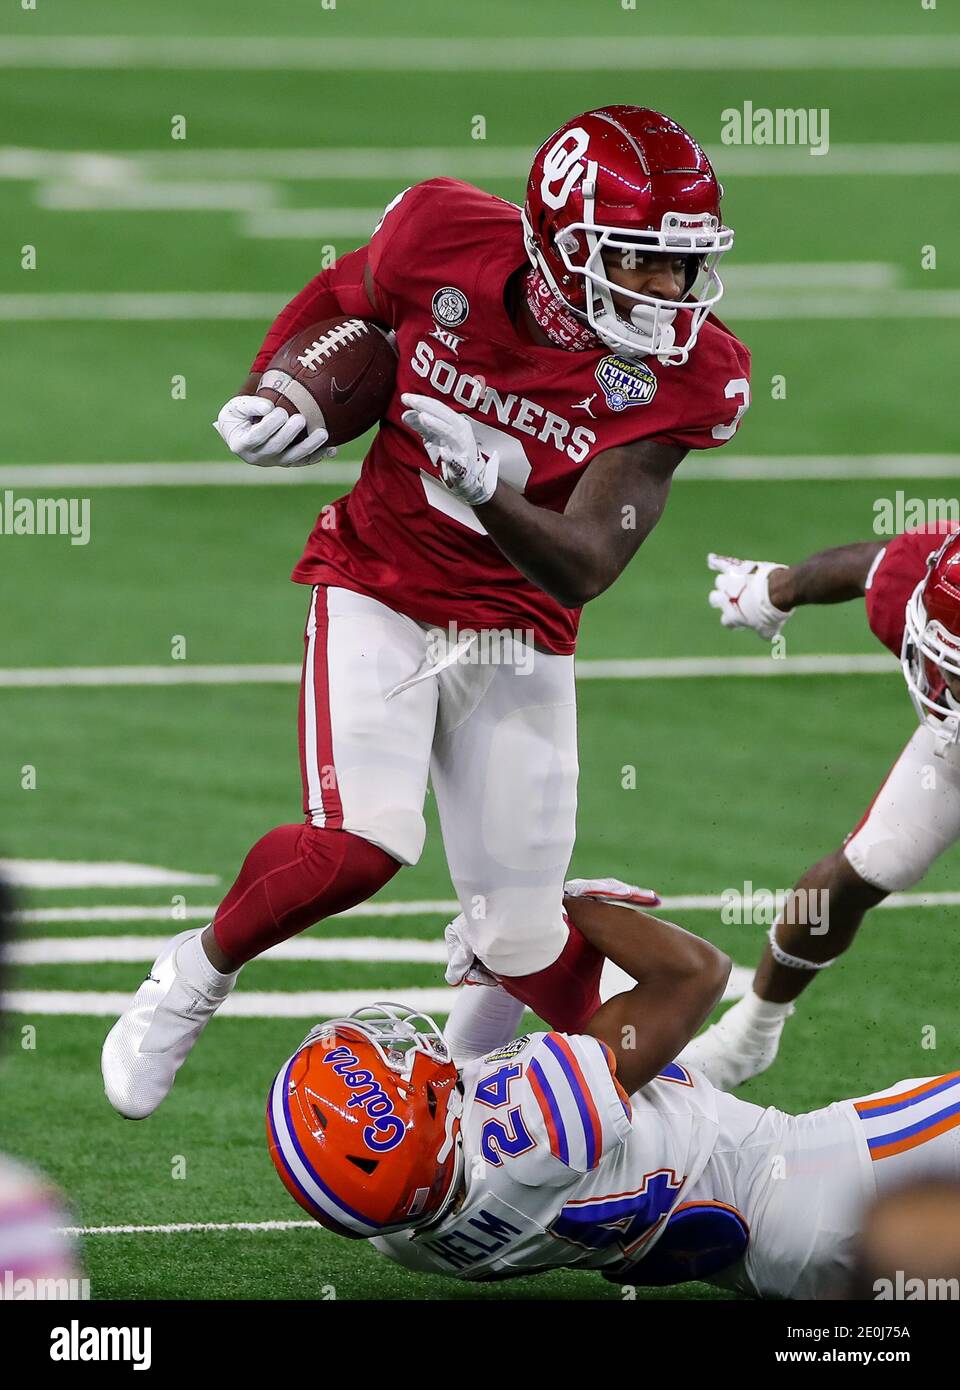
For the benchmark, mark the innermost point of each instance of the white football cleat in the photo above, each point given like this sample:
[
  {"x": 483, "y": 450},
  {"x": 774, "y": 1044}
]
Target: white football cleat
[
  {"x": 736, "y": 1047},
  {"x": 150, "y": 1040}
]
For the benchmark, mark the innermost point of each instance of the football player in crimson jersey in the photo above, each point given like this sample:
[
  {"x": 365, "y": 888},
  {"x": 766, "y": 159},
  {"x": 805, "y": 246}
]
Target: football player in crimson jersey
[
  {"x": 593, "y": 1150},
  {"x": 912, "y": 592},
  {"x": 555, "y": 365}
]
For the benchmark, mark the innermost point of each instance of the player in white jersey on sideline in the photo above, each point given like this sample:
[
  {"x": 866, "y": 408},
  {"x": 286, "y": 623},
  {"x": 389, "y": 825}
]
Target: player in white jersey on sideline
[
  {"x": 593, "y": 1150},
  {"x": 38, "y": 1259}
]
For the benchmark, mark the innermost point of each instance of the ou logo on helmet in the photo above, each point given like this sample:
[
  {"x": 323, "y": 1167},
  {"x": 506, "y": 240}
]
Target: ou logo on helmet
[{"x": 563, "y": 167}]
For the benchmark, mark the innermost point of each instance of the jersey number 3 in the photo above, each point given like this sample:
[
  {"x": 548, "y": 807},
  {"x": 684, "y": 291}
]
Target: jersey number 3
[
  {"x": 515, "y": 469},
  {"x": 738, "y": 388}
]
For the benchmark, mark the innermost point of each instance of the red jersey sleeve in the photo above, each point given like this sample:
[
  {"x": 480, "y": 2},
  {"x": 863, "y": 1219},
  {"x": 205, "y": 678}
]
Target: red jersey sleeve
[
  {"x": 894, "y": 575},
  {"x": 338, "y": 290},
  {"x": 719, "y": 392},
  {"x": 426, "y": 214},
  {"x": 392, "y": 254}
]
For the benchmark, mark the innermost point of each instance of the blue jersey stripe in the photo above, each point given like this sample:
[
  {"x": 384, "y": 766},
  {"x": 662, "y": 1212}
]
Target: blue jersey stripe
[
  {"x": 580, "y": 1099},
  {"x": 555, "y": 1115},
  {"x": 895, "y": 1104},
  {"x": 877, "y": 1141}
]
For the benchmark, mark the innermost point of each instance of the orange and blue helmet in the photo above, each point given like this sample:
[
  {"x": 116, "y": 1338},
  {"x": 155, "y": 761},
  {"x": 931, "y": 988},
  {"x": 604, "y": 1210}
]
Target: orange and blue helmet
[{"x": 363, "y": 1122}]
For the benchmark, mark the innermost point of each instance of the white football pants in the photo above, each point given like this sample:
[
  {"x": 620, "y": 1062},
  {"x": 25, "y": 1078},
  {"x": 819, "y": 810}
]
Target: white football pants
[{"x": 387, "y": 701}]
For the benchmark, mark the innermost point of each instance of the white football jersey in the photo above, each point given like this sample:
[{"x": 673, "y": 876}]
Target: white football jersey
[
  {"x": 32, "y": 1217},
  {"x": 561, "y": 1167}
]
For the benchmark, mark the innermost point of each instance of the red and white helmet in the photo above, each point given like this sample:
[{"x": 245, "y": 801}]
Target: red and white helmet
[
  {"x": 627, "y": 179},
  {"x": 931, "y": 636},
  {"x": 363, "y": 1122}
]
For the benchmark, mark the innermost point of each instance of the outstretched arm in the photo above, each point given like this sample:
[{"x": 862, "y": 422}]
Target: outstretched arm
[
  {"x": 830, "y": 576},
  {"x": 762, "y": 595},
  {"x": 679, "y": 979}
]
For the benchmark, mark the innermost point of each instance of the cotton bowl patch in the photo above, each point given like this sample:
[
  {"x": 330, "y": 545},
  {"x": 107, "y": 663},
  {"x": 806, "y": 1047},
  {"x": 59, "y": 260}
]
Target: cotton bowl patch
[{"x": 625, "y": 383}]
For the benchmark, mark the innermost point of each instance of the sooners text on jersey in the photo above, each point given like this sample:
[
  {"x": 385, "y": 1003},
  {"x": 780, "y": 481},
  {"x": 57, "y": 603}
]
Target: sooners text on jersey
[{"x": 440, "y": 260}]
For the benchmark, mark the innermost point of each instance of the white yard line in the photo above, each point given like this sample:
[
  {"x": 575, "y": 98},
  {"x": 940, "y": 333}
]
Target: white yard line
[
  {"x": 807, "y": 275},
  {"x": 842, "y": 160},
  {"x": 91, "y": 950},
  {"x": 752, "y": 307},
  {"x": 410, "y": 163},
  {"x": 653, "y": 668},
  {"x": 11, "y": 678},
  {"x": 214, "y": 474},
  {"x": 430, "y": 907},
  {"x": 311, "y": 1004},
  {"x": 37, "y": 916},
  {"x": 177, "y": 1228},
  {"x": 241, "y": 1004},
  {"x": 201, "y": 306},
  {"x": 711, "y": 467},
  {"x": 619, "y": 53},
  {"x": 293, "y": 224},
  {"x": 71, "y": 873},
  {"x": 786, "y": 468},
  {"x": 190, "y": 196},
  {"x": 149, "y": 307}
]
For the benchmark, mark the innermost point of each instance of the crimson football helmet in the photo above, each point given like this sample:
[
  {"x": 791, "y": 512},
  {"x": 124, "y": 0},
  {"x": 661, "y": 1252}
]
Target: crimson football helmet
[
  {"x": 363, "y": 1122},
  {"x": 931, "y": 636},
  {"x": 627, "y": 179}
]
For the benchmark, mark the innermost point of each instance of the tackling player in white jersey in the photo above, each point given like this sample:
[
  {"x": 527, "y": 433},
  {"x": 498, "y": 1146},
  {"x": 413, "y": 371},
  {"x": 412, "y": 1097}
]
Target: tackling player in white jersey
[{"x": 592, "y": 1150}]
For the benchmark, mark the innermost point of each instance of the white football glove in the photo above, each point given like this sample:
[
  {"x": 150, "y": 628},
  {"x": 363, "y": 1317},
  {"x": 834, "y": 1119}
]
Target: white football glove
[
  {"x": 261, "y": 433},
  {"x": 741, "y": 593},
  {"x": 611, "y": 890},
  {"x": 463, "y": 968},
  {"x": 470, "y": 475}
]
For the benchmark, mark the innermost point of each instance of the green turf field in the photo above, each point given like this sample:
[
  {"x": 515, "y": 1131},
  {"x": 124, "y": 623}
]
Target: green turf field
[{"x": 737, "y": 778}]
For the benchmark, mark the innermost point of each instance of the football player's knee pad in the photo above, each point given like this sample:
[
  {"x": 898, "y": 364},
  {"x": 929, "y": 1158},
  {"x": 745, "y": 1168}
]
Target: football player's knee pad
[
  {"x": 891, "y": 858},
  {"x": 516, "y": 932},
  {"x": 399, "y": 831}
]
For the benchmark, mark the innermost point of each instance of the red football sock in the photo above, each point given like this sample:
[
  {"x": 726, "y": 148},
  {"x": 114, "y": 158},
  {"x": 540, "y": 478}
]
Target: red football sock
[
  {"x": 566, "y": 993},
  {"x": 293, "y": 877}
]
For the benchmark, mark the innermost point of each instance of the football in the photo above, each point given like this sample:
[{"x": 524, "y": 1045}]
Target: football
[{"x": 338, "y": 374}]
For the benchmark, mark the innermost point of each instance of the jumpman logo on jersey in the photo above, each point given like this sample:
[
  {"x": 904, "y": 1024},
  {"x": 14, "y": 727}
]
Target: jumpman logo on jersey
[{"x": 585, "y": 405}]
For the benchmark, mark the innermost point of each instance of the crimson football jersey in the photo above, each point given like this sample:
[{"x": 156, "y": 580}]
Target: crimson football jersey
[
  {"x": 440, "y": 260},
  {"x": 896, "y": 573}
]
